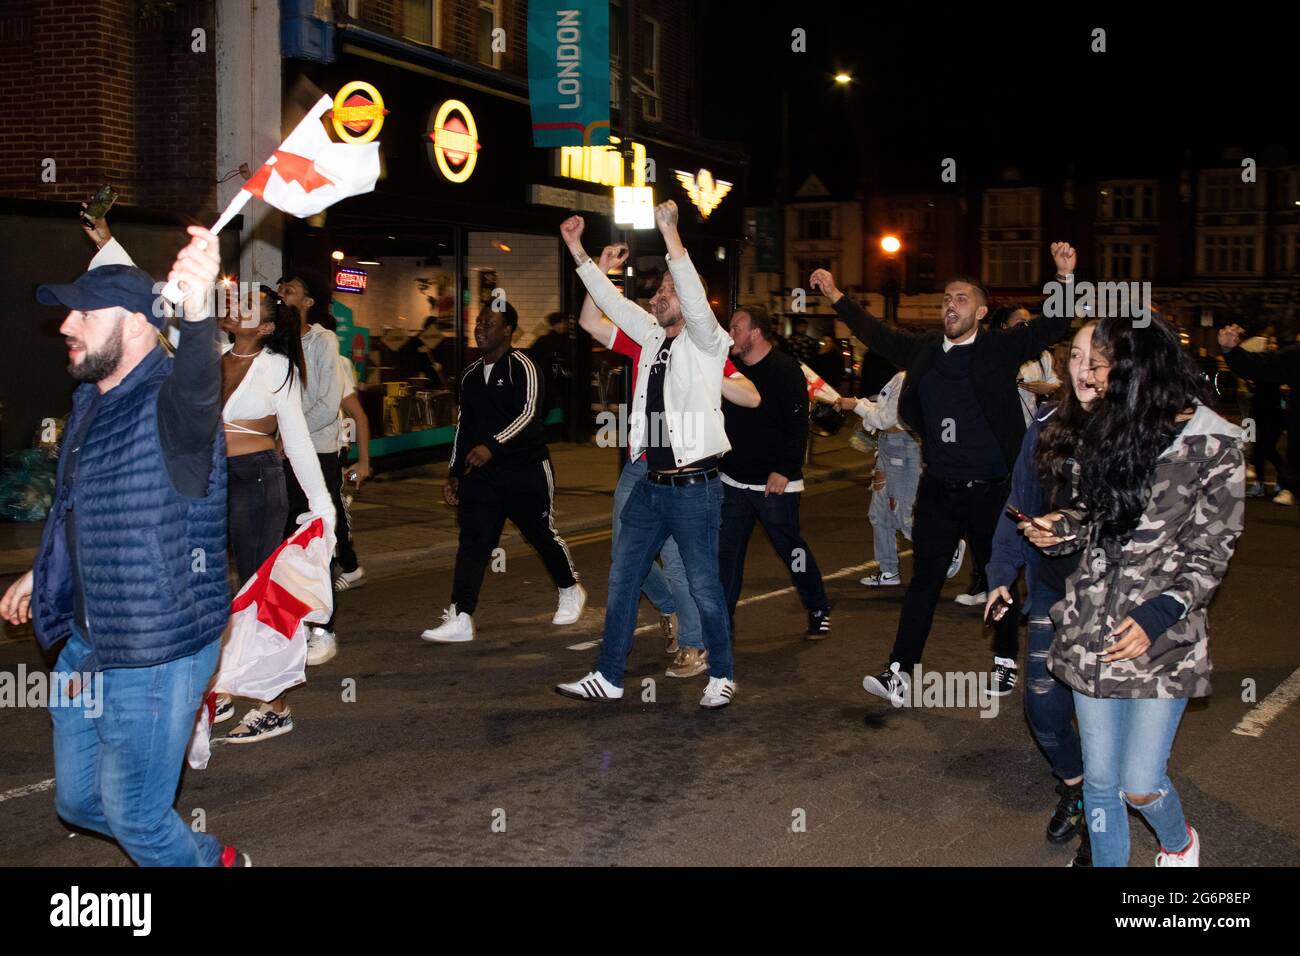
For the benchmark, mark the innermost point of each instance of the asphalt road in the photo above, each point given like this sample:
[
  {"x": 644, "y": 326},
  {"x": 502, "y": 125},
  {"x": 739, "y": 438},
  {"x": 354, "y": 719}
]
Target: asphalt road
[{"x": 464, "y": 754}]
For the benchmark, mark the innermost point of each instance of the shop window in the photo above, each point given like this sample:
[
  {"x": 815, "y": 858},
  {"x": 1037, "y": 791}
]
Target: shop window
[{"x": 518, "y": 268}]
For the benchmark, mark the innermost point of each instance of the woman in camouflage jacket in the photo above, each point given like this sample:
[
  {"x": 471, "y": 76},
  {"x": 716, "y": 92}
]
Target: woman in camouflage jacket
[{"x": 1160, "y": 507}]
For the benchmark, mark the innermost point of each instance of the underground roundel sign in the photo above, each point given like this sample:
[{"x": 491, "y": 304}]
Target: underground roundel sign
[
  {"x": 358, "y": 113},
  {"x": 454, "y": 140}
]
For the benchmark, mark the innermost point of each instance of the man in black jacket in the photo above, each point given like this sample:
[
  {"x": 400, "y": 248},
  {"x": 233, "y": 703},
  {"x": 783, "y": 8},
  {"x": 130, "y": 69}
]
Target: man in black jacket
[
  {"x": 762, "y": 475},
  {"x": 960, "y": 396},
  {"x": 1271, "y": 368},
  {"x": 500, "y": 469}
]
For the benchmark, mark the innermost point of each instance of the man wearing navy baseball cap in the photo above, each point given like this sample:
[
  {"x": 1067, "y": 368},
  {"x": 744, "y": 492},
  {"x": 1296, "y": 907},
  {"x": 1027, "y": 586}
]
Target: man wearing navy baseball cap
[{"x": 131, "y": 568}]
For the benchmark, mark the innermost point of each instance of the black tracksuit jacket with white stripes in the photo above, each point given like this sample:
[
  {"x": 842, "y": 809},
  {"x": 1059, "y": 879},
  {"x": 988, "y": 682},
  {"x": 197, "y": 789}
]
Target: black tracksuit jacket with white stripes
[{"x": 504, "y": 413}]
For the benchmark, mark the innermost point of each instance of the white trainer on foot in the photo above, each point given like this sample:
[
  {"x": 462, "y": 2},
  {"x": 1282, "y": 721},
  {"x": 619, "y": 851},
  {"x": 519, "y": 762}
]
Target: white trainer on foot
[
  {"x": 1284, "y": 497},
  {"x": 955, "y": 565},
  {"x": 572, "y": 601},
  {"x": 1191, "y": 856},
  {"x": 350, "y": 579},
  {"x": 592, "y": 687},
  {"x": 456, "y": 628},
  {"x": 321, "y": 645},
  {"x": 881, "y": 579},
  {"x": 718, "y": 693}
]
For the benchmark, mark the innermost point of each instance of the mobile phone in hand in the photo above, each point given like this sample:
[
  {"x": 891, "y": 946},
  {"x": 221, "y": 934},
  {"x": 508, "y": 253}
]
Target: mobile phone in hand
[
  {"x": 1021, "y": 516},
  {"x": 98, "y": 205},
  {"x": 997, "y": 609}
]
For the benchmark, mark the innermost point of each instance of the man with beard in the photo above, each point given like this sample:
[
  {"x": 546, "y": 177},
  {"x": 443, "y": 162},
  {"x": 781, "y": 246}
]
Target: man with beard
[
  {"x": 960, "y": 395},
  {"x": 762, "y": 475},
  {"x": 131, "y": 568}
]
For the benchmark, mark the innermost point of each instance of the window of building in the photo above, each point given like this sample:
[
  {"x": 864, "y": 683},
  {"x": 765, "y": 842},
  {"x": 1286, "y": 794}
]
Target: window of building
[
  {"x": 814, "y": 223},
  {"x": 1226, "y": 192},
  {"x": 805, "y": 266},
  {"x": 1127, "y": 259},
  {"x": 421, "y": 21},
  {"x": 1288, "y": 250},
  {"x": 1128, "y": 200},
  {"x": 1011, "y": 264},
  {"x": 489, "y": 18},
  {"x": 1011, "y": 208},
  {"x": 1229, "y": 253},
  {"x": 647, "y": 80}
]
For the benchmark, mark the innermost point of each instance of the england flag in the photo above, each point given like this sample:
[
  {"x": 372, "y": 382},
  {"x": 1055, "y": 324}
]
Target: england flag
[{"x": 265, "y": 651}]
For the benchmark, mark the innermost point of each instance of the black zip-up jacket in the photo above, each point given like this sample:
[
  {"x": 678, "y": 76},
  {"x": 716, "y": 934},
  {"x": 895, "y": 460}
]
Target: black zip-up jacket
[
  {"x": 994, "y": 366},
  {"x": 1281, "y": 367},
  {"x": 504, "y": 413}
]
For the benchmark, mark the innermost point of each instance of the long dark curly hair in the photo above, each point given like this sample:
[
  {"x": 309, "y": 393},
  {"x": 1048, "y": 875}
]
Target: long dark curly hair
[
  {"x": 1055, "y": 452},
  {"x": 1152, "y": 381}
]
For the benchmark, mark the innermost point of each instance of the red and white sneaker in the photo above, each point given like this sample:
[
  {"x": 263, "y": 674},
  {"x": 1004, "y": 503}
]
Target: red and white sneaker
[
  {"x": 1188, "y": 857},
  {"x": 232, "y": 857}
]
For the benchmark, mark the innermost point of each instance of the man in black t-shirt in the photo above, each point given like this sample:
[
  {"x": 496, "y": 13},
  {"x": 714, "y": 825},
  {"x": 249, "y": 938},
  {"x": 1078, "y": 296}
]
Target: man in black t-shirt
[{"x": 762, "y": 475}]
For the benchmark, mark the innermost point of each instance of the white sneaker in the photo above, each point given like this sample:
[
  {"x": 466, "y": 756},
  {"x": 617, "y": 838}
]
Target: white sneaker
[
  {"x": 881, "y": 580},
  {"x": 718, "y": 693},
  {"x": 456, "y": 628},
  {"x": 350, "y": 579},
  {"x": 224, "y": 710},
  {"x": 1188, "y": 857},
  {"x": 1284, "y": 497},
  {"x": 957, "y": 557},
  {"x": 892, "y": 684},
  {"x": 321, "y": 645},
  {"x": 972, "y": 600},
  {"x": 572, "y": 601},
  {"x": 592, "y": 687}
]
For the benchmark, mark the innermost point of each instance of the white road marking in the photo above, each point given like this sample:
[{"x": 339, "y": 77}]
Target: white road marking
[
  {"x": 1256, "y": 722},
  {"x": 27, "y": 790}
]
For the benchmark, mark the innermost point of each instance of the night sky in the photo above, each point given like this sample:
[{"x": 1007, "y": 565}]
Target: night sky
[{"x": 992, "y": 87}]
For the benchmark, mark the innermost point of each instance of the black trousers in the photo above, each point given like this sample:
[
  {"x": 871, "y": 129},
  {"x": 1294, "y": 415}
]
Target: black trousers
[
  {"x": 256, "y": 505},
  {"x": 1268, "y": 432},
  {"x": 779, "y": 516},
  {"x": 329, "y": 469},
  {"x": 945, "y": 512},
  {"x": 488, "y": 496},
  {"x": 345, "y": 551}
]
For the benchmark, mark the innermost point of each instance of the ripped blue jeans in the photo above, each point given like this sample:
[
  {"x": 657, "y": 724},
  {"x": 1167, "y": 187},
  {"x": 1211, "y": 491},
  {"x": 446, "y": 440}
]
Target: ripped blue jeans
[
  {"x": 1049, "y": 704},
  {"x": 1126, "y": 744}
]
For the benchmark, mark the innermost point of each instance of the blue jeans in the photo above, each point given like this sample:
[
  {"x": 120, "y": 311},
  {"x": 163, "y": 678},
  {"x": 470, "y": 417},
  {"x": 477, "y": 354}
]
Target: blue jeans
[
  {"x": 666, "y": 588},
  {"x": 1126, "y": 743},
  {"x": 899, "y": 456},
  {"x": 691, "y": 515},
  {"x": 1049, "y": 704},
  {"x": 117, "y": 773}
]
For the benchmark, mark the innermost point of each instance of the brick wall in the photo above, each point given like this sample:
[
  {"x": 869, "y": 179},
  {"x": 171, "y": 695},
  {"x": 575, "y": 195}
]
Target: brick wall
[{"x": 106, "y": 95}]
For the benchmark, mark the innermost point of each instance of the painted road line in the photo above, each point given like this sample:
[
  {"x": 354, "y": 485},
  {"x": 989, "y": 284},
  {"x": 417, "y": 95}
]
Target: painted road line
[
  {"x": 27, "y": 790},
  {"x": 1284, "y": 694}
]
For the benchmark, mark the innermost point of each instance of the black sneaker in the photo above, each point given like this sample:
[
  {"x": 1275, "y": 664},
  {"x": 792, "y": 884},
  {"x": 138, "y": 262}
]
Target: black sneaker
[
  {"x": 1004, "y": 676},
  {"x": 891, "y": 684},
  {"x": 1068, "y": 814},
  {"x": 1083, "y": 856},
  {"x": 819, "y": 624}
]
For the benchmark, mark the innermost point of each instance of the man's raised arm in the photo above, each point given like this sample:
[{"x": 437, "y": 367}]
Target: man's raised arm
[
  {"x": 634, "y": 321},
  {"x": 894, "y": 344},
  {"x": 701, "y": 324}
]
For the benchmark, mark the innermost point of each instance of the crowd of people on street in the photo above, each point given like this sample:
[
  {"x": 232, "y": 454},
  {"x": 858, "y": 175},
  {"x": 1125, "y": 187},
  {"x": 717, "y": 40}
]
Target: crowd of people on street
[{"x": 1115, "y": 488}]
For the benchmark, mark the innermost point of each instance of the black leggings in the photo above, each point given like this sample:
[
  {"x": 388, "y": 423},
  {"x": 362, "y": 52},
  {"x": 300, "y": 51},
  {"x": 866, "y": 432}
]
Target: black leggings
[{"x": 257, "y": 504}]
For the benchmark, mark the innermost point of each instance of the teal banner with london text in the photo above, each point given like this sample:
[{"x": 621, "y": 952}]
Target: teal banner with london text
[{"x": 568, "y": 72}]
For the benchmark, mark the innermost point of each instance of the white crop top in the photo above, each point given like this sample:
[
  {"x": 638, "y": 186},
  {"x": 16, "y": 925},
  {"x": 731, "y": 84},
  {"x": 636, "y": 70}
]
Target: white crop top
[{"x": 256, "y": 397}]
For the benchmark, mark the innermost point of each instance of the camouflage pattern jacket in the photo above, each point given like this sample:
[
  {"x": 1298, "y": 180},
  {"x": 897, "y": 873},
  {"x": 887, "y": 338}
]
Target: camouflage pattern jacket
[{"x": 1180, "y": 547}]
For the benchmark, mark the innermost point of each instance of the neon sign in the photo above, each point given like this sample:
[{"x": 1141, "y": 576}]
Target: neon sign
[
  {"x": 704, "y": 192},
  {"x": 603, "y": 165},
  {"x": 350, "y": 280},
  {"x": 358, "y": 119},
  {"x": 455, "y": 141}
]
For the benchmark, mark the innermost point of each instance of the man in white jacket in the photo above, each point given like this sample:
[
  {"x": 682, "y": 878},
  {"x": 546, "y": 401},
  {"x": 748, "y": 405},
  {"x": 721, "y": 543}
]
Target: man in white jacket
[{"x": 677, "y": 421}]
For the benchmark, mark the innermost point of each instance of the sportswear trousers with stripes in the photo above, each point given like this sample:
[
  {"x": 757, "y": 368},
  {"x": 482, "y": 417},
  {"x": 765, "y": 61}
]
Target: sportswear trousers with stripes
[{"x": 523, "y": 493}]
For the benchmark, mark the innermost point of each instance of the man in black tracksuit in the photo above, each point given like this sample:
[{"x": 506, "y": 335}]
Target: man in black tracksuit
[
  {"x": 960, "y": 396},
  {"x": 1281, "y": 367},
  {"x": 762, "y": 475},
  {"x": 500, "y": 469}
]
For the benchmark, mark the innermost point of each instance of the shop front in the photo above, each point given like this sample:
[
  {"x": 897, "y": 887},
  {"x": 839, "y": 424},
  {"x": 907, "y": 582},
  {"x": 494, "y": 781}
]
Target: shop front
[{"x": 467, "y": 213}]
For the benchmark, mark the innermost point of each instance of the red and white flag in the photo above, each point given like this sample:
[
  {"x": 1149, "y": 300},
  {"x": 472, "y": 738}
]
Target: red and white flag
[
  {"x": 265, "y": 651},
  {"x": 818, "y": 390},
  {"x": 309, "y": 171}
]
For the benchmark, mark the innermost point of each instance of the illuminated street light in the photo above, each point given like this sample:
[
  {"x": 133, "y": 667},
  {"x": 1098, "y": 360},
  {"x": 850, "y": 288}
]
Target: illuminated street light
[
  {"x": 843, "y": 78},
  {"x": 337, "y": 255},
  {"x": 890, "y": 244}
]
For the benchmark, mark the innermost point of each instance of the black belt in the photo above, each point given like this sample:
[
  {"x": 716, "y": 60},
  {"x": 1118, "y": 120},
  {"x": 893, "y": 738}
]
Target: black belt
[{"x": 682, "y": 477}]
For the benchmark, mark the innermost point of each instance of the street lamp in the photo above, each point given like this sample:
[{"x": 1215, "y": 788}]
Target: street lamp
[
  {"x": 843, "y": 78},
  {"x": 890, "y": 244}
]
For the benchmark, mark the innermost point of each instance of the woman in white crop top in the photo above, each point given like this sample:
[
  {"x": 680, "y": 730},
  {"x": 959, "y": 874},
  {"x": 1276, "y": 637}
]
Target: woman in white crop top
[{"x": 262, "y": 372}]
